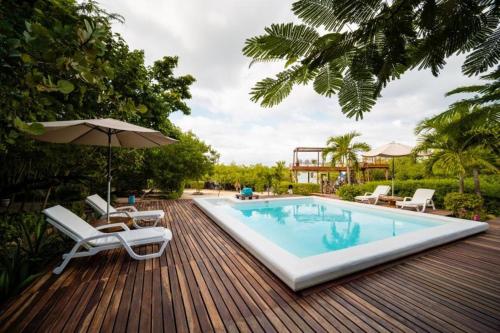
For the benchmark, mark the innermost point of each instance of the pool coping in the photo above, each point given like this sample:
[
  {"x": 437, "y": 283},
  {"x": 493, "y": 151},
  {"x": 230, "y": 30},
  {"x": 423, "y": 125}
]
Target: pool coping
[{"x": 299, "y": 273}]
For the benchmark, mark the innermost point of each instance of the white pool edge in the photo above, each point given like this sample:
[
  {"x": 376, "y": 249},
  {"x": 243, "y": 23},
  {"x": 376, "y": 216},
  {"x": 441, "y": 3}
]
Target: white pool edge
[{"x": 299, "y": 273}]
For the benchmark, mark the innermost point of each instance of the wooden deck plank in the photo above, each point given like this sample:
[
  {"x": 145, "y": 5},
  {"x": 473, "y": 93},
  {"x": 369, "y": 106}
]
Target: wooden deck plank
[{"x": 206, "y": 281}]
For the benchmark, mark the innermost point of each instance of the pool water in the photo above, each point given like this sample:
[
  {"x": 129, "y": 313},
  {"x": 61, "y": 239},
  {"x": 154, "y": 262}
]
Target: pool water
[{"x": 308, "y": 227}]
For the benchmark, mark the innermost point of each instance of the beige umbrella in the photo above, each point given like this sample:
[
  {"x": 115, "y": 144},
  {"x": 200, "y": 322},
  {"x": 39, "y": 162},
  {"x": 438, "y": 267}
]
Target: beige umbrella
[
  {"x": 393, "y": 150},
  {"x": 102, "y": 132}
]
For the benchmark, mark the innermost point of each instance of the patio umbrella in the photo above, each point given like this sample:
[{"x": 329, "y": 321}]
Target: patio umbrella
[
  {"x": 102, "y": 132},
  {"x": 393, "y": 150}
]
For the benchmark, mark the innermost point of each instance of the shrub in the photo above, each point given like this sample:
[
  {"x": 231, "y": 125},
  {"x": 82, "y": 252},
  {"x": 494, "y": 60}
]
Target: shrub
[
  {"x": 463, "y": 205},
  {"x": 299, "y": 188},
  {"x": 349, "y": 192},
  {"x": 27, "y": 244}
]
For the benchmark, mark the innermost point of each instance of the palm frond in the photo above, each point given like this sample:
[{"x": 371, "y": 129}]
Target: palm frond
[
  {"x": 466, "y": 89},
  {"x": 483, "y": 57}
]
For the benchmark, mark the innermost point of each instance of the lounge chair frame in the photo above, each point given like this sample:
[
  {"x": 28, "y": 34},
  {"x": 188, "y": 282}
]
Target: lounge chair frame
[
  {"x": 124, "y": 211},
  {"x": 92, "y": 249}
]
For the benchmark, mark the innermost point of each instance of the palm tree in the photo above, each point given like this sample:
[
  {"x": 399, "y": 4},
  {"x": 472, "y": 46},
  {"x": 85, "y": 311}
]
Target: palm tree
[
  {"x": 344, "y": 151},
  {"x": 467, "y": 134},
  {"x": 456, "y": 148}
]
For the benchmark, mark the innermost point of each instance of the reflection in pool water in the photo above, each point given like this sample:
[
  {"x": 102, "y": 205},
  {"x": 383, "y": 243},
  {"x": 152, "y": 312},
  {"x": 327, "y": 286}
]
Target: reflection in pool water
[{"x": 306, "y": 227}]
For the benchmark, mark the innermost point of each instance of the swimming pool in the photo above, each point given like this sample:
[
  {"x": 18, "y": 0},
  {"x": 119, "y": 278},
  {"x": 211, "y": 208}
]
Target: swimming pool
[{"x": 309, "y": 240}]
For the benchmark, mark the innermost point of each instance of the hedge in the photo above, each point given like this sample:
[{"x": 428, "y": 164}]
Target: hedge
[
  {"x": 490, "y": 189},
  {"x": 299, "y": 188}
]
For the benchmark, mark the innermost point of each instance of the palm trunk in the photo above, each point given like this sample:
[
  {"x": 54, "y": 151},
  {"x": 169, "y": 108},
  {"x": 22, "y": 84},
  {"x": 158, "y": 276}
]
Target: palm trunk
[
  {"x": 348, "y": 172},
  {"x": 461, "y": 184},
  {"x": 475, "y": 174}
]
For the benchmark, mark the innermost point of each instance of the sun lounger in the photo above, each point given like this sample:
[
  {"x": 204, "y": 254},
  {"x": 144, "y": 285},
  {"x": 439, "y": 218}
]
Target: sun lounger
[
  {"x": 100, "y": 206},
  {"x": 367, "y": 197},
  {"x": 422, "y": 197},
  {"x": 94, "y": 241}
]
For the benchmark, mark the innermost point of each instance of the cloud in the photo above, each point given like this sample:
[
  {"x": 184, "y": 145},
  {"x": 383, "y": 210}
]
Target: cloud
[{"x": 208, "y": 37}]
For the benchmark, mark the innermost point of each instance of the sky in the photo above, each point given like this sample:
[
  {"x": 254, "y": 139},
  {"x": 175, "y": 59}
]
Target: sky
[{"x": 208, "y": 37}]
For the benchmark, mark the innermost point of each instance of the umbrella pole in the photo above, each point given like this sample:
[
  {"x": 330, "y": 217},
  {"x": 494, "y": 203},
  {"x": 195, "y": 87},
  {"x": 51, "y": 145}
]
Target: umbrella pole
[
  {"x": 109, "y": 175},
  {"x": 393, "y": 176}
]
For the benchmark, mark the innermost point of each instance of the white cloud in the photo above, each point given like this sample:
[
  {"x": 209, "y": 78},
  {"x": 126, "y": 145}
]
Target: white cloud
[{"x": 208, "y": 37}]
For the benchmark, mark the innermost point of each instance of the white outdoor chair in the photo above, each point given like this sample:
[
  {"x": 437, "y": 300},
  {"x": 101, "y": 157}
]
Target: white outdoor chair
[
  {"x": 380, "y": 190},
  {"x": 422, "y": 197},
  {"x": 94, "y": 241},
  {"x": 100, "y": 206}
]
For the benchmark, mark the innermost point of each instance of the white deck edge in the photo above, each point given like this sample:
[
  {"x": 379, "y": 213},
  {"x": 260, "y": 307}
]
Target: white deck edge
[{"x": 299, "y": 273}]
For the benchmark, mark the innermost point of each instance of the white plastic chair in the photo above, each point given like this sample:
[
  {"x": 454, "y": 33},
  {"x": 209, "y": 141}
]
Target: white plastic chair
[
  {"x": 94, "y": 241},
  {"x": 100, "y": 206},
  {"x": 380, "y": 190},
  {"x": 421, "y": 197}
]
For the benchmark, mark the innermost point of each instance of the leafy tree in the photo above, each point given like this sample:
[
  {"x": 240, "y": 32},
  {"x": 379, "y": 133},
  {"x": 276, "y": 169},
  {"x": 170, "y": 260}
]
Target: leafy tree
[
  {"x": 61, "y": 61},
  {"x": 170, "y": 166},
  {"x": 354, "y": 48},
  {"x": 468, "y": 133},
  {"x": 343, "y": 150},
  {"x": 454, "y": 148}
]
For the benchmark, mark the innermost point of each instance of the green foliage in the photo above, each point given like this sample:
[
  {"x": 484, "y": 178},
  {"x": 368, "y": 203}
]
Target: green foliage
[
  {"x": 463, "y": 205},
  {"x": 408, "y": 168},
  {"x": 355, "y": 48},
  {"x": 60, "y": 60},
  {"x": 299, "y": 188},
  {"x": 26, "y": 246},
  {"x": 465, "y": 138},
  {"x": 349, "y": 192},
  {"x": 170, "y": 166}
]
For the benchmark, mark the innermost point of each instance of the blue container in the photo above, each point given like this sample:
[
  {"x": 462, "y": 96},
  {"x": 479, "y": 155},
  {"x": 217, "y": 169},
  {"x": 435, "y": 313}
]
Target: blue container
[{"x": 131, "y": 199}]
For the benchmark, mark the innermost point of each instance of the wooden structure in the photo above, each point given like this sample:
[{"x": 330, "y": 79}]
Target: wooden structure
[
  {"x": 322, "y": 169},
  {"x": 207, "y": 282}
]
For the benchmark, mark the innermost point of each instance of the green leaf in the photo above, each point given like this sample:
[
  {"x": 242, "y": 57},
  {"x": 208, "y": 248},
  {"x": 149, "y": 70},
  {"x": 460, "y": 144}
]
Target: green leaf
[
  {"x": 65, "y": 86},
  {"x": 32, "y": 129},
  {"x": 142, "y": 108},
  {"x": 328, "y": 81},
  {"x": 357, "y": 95}
]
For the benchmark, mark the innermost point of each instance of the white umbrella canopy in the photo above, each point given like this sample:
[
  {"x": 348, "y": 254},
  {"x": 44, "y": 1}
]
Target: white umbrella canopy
[
  {"x": 102, "y": 132},
  {"x": 393, "y": 150},
  {"x": 98, "y": 132}
]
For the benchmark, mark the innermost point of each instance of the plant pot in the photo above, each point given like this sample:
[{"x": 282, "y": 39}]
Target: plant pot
[{"x": 4, "y": 202}]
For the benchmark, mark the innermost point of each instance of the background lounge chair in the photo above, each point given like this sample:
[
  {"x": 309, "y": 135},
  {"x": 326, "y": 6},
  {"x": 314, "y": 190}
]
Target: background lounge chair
[
  {"x": 422, "y": 197},
  {"x": 94, "y": 241},
  {"x": 380, "y": 190},
  {"x": 100, "y": 205}
]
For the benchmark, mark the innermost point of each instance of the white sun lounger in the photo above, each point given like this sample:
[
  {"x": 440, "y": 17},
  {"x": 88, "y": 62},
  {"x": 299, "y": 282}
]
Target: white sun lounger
[
  {"x": 422, "y": 197},
  {"x": 100, "y": 206},
  {"x": 380, "y": 190},
  {"x": 94, "y": 241}
]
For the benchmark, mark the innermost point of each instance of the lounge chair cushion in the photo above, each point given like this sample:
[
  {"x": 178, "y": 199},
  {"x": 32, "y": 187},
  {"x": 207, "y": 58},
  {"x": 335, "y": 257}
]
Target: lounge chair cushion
[{"x": 99, "y": 204}]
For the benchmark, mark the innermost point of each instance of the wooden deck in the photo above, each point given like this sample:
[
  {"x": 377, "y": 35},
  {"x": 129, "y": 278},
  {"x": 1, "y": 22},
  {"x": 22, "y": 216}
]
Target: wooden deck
[{"x": 207, "y": 282}]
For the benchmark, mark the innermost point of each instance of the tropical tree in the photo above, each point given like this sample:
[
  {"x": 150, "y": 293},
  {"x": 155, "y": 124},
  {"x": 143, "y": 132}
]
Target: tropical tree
[
  {"x": 466, "y": 137},
  {"x": 343, "y": 150},
  {"x": 355, "y": 48}
]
